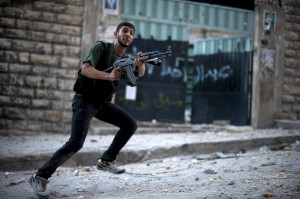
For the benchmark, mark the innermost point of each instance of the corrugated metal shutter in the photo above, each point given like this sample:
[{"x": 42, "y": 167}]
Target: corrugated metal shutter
[
  {"x": 163, "y": 18},
  {"x": 209, "y": 46}
]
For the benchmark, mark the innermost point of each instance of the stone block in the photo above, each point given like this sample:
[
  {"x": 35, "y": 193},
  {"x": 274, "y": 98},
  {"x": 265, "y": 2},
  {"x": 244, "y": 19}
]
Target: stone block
[
  {"x": 74, "y": 10},
  {"x": 43, "y": 48},
  {"x": 10, "y": 56},
  {"x": 5, "y": 44},
  {"x": 58, "y": 94},
  {"x": 40, "y": 103},
  {"x": 61, "y": 50},
  {"x": 43, "y": 6},
  {"x": 34, "y": 114},
  {"x": 4, "y": 100},
  {"x": 19, "y": 68},
  {"x": 24, "y": 24},
  {"x": 76, "y": 41},
  {"x": 33, "y": 81},
  {"x": 36, "y": 36},
  {"x": 69, "y": 19},
  {"x": 71, "y": 30},
  {"x": 15, "y": 33},
  {"x": 292, "y": 62},
  {"x": 21, "y": 45},
  {"x": 74, "y": 51},
  {"x": 14, "y": 113},
  {"x": 43, "y": 94},
  {"x": 7, "y": 22},
  {"x": 31, "y": 15},
  {"x": 12, "y": 12},
  {"x": 5, "y": 123},
  {"x": 6, "y": 90},
  {"x": 17, "y": 80},
  {"x": 70, "y": 62},
  {"x": 42, "y": 71},
  {"x": 21, "y": 102},
  {"x": 3, "y": 67},
  {"x": 290, "y": 53},
  {"x": 50, "y": 83},
  {"x": 296, "y": 108},
  {"x": 24, "y": 57},
  {"x": 52, "y": 116},
  {"x": 292, "y": 36},
  {"x": 49, "y": 17},
  {"x": 65, "y": 85},
  {"x": 4, "y": 80},
  {"x": 42, "y": 26},
  {"x": 45, "y": 60},
  {"x": 67, "y": 115},
  {"x": 287, "y": 107},
  {"x": 57, "y": 104},
  {"x": 20, "y": 124},
  {"x": 288, "y": 99},
  {"x": 61, "y": 73},
  {"x": 26, "y": 92},
  {"x": 289, "y": 72},
  {"x": 68, "y": 103}
]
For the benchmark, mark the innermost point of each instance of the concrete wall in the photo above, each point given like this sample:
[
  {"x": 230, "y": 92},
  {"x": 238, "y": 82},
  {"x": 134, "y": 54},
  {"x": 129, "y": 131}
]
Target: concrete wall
[{"x": 276, "y": 63}]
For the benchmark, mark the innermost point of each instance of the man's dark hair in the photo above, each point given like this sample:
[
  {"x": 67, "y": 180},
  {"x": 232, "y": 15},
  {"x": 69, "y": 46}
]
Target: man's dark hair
[{"x": 125, "y": 24}]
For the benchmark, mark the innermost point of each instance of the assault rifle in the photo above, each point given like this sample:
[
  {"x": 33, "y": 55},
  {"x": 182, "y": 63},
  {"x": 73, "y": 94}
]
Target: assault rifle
[{"x": 127, "y": 64}]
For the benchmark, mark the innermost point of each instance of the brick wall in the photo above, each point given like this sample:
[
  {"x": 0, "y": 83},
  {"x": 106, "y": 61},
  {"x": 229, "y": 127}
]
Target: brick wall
[
  {"x": 40, "y": 46},
  {"x": 291, "y": 87}
]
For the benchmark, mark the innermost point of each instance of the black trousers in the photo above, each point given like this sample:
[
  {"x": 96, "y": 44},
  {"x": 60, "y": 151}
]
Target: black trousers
[{"x": 83, "y": 112}]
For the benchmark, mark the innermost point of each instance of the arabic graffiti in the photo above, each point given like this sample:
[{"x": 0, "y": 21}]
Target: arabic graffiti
[
  {"x": 215, "y": 74},
  {"x": 201, "y": 73}
]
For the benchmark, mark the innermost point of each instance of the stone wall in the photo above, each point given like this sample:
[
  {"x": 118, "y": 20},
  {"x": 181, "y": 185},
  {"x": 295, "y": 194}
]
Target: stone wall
[
  {"x": 291, "y": 85},
  {"x": 40, "y": 46},
  {"x": 276, "y": 63}
]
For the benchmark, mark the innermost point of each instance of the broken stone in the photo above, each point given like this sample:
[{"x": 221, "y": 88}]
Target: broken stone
[
  {"x": 268, "y": 164},
  {"x": 16, "y": 182},
  {"x": 231, "y": 182},
  {"x": 268, "y": 193},
  {"x": 209, "y": 171},
  {"x": 76, "y": 172},
  {"x": 280, "y": 146},
  {"x": 264, "y": 149},
  {"x": 227, "y": 155}
]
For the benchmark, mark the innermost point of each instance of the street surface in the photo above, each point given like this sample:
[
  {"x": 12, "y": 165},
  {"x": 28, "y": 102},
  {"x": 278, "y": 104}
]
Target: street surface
[{"x": 262, "y": 173}]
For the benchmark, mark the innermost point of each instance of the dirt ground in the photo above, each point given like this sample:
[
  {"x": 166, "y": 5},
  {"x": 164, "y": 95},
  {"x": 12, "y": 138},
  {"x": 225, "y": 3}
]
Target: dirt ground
[{"x": 263, "y": 173}]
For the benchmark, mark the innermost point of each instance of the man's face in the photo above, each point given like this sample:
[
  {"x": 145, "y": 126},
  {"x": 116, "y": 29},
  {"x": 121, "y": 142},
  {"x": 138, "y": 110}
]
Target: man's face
[{"x": 125, "y": 36}]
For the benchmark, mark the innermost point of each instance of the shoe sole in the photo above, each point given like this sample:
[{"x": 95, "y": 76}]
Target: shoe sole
[{"x": 119, "y": 172}]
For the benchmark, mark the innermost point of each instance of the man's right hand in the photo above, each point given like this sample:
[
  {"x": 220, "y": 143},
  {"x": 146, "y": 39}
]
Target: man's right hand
[{"x": 115, "y": 74}]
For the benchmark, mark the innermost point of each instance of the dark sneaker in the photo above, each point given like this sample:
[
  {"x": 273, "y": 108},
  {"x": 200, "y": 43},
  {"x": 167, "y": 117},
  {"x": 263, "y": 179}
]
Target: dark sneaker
[
  {"x": 109, "y": 166},
  {"x": 39, "y": 186}
]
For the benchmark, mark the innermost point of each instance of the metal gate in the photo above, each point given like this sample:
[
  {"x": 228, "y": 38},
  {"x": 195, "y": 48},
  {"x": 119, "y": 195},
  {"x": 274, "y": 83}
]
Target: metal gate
[
  {"x": 222, "y": 80},
  {"x": 213, "y": 81},
  {"x": 160, "y": 94}
]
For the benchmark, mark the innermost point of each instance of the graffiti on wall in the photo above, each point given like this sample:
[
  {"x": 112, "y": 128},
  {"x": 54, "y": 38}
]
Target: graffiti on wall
[
  {"x": 215, "y": 73},
  {"x": 220, "y": 72}
]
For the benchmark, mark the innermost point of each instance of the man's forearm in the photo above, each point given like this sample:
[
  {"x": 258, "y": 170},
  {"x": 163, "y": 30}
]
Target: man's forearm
[{"x": 89, "y": 71}]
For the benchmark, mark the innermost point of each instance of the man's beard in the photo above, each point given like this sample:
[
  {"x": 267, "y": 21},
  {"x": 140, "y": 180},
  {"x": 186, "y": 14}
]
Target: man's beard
[{"x": 121, "y": 43}]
